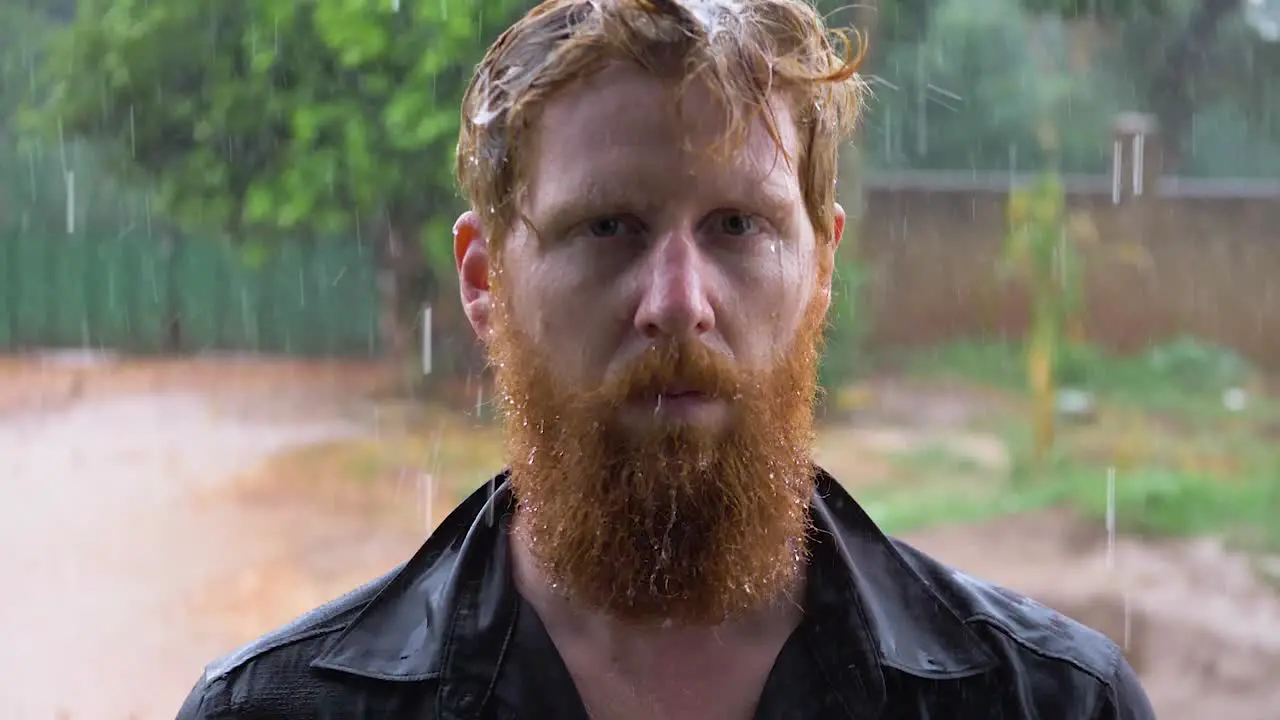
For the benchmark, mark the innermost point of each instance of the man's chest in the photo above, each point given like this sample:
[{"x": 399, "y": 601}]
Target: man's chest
[
  {"x": 680, "y": 691},
  {"x": 543, "y": 680}
]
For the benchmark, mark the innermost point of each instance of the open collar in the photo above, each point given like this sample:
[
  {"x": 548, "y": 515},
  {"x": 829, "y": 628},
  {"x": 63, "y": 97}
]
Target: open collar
[
  {"x": 450, "y": 612},
  {"x": 867, "y": 609}
]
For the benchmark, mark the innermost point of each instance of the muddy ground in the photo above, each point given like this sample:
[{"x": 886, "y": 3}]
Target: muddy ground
[{"x": 130, "y": 566}]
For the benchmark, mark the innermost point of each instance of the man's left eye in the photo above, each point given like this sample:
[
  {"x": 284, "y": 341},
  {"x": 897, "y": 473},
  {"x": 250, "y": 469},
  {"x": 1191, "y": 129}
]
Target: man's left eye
[{"x": 737, "y": 224}]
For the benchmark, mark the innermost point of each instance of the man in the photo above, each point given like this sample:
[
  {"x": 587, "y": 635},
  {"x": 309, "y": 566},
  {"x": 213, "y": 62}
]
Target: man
[{"x": 649, "y": 263}]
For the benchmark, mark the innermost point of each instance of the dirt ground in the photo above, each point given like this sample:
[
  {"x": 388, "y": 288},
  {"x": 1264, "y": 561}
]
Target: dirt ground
[
  {"x": 133, "y": 566},
  {"x": 117, "y": 553}
]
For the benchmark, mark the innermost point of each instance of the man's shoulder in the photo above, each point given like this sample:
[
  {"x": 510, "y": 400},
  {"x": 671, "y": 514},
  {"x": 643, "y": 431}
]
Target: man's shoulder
[
  {"x": 272, "y": 675},
  {"x": 1024, "y": 629},
  {"x": 374, "y": 652}
]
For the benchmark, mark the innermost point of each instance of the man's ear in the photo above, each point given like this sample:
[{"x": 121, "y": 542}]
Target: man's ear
[
  {"x": 837, "y": 233},
  {"x": 471, "y": 255},
  {"x": 827, "y": 251}
]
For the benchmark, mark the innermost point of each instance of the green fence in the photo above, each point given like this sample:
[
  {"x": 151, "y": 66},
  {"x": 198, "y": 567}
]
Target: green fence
[{"x": 132, "y": 294}]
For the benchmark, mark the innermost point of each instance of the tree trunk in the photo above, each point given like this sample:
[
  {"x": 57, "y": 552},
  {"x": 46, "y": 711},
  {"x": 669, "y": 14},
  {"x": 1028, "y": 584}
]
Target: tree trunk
[
  {"x": 400, "y": 262},
  {"x": 407, "y": 284},
  {"x": 1171, "y": 90},
  {"x": 173, "y": 341}
]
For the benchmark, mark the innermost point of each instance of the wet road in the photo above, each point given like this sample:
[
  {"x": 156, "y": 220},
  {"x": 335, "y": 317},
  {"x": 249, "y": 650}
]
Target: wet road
[{"x": 106, "y": 545}]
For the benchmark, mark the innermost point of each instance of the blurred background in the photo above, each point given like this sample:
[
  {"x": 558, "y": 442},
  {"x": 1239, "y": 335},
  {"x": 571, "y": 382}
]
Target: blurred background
[{"x": 235, "y": 380}]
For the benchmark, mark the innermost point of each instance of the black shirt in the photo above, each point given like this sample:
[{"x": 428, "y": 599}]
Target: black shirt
[
  {"x": 888, "y": 633},
  {"x": 540, "y": 685}
]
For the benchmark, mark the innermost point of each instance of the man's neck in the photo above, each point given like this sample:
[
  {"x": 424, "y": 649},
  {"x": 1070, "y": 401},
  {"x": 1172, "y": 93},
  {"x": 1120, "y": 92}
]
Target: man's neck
[{"x": 658, "y": 661}]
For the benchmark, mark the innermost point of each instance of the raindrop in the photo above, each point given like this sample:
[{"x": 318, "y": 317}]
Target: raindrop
[
  {"x": 71, "y": 202},
  {"x": 428, "y": 489},
  {"x": 489, "y": 505},
  {"x": 712, "y": 15},
  {"x": 1111, "y": 518},
  {"x": 426, "y": 340}
]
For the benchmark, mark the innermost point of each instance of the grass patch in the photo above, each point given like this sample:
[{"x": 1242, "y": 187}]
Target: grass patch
[
  {"x": 1164, "y": 501},
  {"x": 904, "y": 507},
  {"x": 937, "y": 459},
  {"x": 1171, "y": 479},
  {"x": 994, "y": 364},
  {"x": 1186, "y": 462},
  {"x": 1182, "y": 378},
  {"x": 1151, "y": 500}
]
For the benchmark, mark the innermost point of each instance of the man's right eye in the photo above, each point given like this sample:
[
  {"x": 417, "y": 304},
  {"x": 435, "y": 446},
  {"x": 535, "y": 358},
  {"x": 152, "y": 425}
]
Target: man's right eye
[{"x": 607, "y": 227}]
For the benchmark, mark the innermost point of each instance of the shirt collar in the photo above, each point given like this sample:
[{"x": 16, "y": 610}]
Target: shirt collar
[
  {"x": 449, "y": 613},
  {"x": 869, "y": 609}
]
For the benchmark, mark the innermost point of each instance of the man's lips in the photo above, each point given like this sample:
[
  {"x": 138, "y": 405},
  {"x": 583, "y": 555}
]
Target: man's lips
[
  {"x": 682, "y": 393},
  {"x": 678, "y": 404},
  {"x": 671, "y": 395},
  {"x": 676, "y": 393},
  {"x": 678, "y": 400}
]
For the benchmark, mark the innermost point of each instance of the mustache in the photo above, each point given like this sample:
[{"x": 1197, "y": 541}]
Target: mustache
[{"x": 685, "y": 366}]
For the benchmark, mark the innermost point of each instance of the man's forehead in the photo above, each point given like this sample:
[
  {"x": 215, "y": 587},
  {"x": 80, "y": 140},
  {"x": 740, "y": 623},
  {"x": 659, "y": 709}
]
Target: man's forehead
[{"x": 623, "y": 113}]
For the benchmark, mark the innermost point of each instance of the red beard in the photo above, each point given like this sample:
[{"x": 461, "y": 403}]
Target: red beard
[{"x": 682, "y": 523}]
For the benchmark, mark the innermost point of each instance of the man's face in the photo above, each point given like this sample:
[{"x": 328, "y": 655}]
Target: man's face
[{"x": 654, "y": 328}]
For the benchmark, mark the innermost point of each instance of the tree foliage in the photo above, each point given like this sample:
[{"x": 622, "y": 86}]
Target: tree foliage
[
  {"x": 910, "y": 20},
  {"x": 261, "y": 116},
  {"x": 261, "y": 119},
  {"x": 23, "y": 29},
  {"x": 967, "y": 83},
  {"x": 980, "y": 90}
]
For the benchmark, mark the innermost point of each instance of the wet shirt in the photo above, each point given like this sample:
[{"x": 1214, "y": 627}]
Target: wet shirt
[
  {"x": 537, "y": 684},
  {"x": 887, "y": 633}
]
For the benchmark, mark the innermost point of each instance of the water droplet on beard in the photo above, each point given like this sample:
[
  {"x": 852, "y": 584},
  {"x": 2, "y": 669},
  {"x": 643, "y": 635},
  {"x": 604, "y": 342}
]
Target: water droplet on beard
[{"x": 773, "y": 247}]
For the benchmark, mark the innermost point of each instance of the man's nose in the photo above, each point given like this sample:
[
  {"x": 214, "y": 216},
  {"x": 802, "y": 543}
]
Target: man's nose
[{"x": 675, "y": 304}]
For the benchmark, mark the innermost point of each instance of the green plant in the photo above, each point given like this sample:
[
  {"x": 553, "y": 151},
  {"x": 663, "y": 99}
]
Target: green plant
[
  {"x": 1039, "y": 253},
  {"x": 1195, "y": 366}
]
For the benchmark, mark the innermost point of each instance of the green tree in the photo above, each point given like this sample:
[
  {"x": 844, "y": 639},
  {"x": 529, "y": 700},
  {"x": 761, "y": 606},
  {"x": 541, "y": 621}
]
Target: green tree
[
  {"x": 263, "y": 119},
  {"x": 976, "y": 91},
  {"x": 22, "y": 31},
  {"x": 1166, "y": 51}
]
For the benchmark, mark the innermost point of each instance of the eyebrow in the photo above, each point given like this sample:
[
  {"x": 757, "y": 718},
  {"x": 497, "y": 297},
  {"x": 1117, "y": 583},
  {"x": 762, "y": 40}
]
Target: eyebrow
[
  {"x": 581, "y": 201},
  {"x": 580, "y": 198}
]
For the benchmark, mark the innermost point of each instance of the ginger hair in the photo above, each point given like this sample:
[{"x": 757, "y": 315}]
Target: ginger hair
[{"x": 747, "y": 52}]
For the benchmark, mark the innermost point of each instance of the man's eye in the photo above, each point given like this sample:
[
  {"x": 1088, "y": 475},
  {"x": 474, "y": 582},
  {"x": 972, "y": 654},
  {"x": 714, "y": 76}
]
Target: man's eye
[
  {"x": 737, "y": 224},
  {"x": 607, "y": 227}
]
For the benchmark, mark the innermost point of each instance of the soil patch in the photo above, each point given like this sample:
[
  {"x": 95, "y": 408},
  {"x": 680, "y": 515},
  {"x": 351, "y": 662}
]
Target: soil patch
[{"x": 1197, "y": 622}]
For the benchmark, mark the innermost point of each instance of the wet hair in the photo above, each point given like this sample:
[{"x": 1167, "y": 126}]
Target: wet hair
[{"x": 748, "y": 53}]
